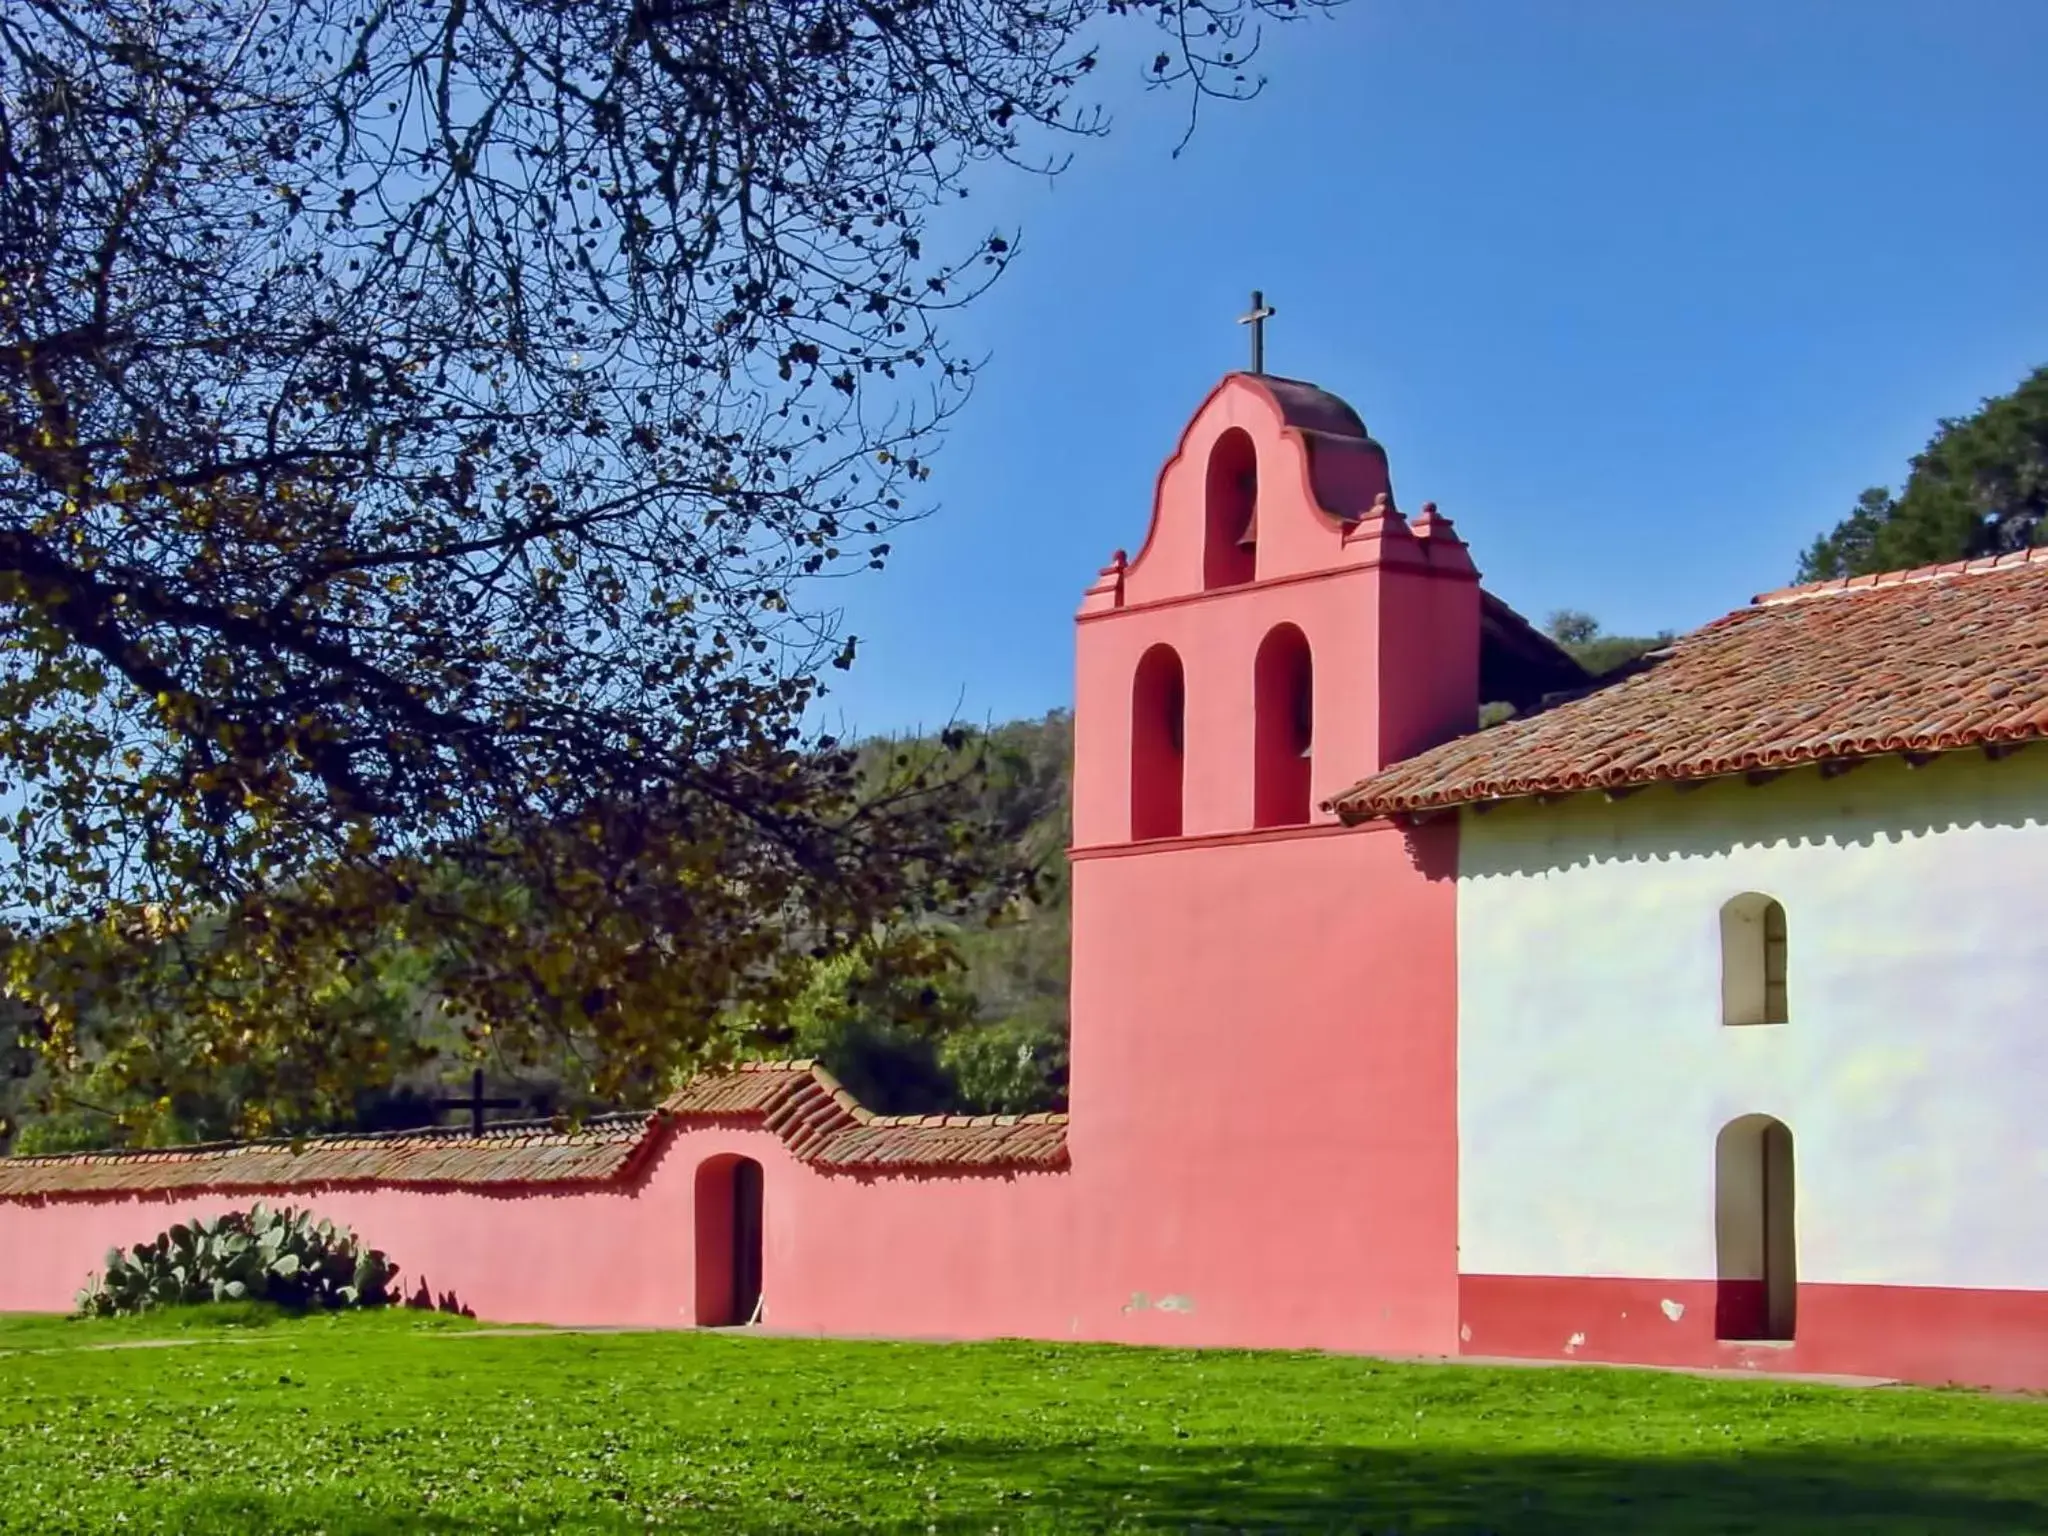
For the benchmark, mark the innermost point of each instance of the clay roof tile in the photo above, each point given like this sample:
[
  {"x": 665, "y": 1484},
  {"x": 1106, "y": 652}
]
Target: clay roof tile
[
  {"x": 1935, "y": 659},
  {"x": 797, "y": 1101}
]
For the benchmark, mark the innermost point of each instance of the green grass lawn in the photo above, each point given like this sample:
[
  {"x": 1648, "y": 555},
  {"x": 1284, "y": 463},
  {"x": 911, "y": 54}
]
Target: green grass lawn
[{"x": 405, "y": 1422}]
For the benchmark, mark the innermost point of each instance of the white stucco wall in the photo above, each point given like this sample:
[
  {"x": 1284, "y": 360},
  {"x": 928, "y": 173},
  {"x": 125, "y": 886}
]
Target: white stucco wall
[{"x": 1595, "y": 1073}]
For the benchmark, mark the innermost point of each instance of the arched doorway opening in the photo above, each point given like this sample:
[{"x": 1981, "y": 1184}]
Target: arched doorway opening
[
  {"x": 728, "y": 1200},
  {"x": 1756, "y": 1292}
]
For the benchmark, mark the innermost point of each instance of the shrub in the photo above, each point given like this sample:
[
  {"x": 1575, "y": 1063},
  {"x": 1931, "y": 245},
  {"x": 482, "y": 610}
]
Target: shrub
[
  {"x": 1016, "y": 1067},
  {"x": 283, "y": 1257}
]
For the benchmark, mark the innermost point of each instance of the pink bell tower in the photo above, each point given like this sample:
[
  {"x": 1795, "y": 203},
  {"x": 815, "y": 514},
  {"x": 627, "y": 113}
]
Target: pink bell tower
[{"x": 1264, "y": 1001}]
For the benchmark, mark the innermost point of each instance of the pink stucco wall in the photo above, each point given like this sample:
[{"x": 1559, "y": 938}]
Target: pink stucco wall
[
  {"x": 1264, "y": 1088},
  {"x": 1263, "y": 1145},
  {"x": 1264, "y": 1091},
  {"x": 588, "y": 1256},
  {"x": 906, "y": 1255},
  {"x": 937, "y": 1257}
]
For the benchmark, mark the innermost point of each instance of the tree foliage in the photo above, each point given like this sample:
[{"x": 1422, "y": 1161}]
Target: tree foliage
[
  {"x": 945, "y": 1016},
  {"x": 1598, "y": 652},
  {"x": 1980, "y": 487},
  {"x": 898, "y": 1022},
  {"x": 134, "y": 1077},
  {"x": 942, "y": 1015},
  {"x": 1570, "y": 626},
  {"x": 874, "y": 1017},
  {"x": 421, "y": 428}
]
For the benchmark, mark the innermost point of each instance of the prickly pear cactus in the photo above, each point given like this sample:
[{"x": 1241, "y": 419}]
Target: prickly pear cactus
[{"x": 282, "y": 1256}]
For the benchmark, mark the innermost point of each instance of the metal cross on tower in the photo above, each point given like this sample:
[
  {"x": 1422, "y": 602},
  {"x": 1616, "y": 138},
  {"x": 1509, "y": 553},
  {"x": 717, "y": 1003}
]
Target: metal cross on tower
[{"x": 1261, "y": 313}]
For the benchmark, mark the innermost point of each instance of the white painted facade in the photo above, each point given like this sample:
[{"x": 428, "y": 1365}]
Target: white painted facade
[{"x": 1595, "y": 1071}]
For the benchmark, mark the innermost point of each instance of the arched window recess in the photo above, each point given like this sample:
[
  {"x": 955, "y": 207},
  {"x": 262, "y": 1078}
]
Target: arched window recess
[{"x": 1754, "y": 961}]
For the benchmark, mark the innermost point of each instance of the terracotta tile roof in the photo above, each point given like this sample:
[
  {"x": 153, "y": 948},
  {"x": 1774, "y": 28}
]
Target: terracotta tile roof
[
  {"x": 825, "y": 1125},
  {"x": 799, "y": 1101},
  {"x": 1927, "y": 660},
  {"x": 604, "y": 1148}
]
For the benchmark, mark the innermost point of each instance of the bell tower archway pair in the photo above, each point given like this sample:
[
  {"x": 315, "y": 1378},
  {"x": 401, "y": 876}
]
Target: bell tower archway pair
[{"x": 1282, "y": 632}]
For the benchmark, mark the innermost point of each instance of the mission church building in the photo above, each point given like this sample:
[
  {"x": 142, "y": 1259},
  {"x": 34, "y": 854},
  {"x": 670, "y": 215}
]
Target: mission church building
[{"x": 1688, "y": 1017}]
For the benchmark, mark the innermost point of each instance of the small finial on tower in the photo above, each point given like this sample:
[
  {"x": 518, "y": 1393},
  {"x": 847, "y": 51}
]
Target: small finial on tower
[
  {"x": 1108, "y": 591},
  {"x": 1261, "y": 312},
  {"x": 1436, "y": 531}
]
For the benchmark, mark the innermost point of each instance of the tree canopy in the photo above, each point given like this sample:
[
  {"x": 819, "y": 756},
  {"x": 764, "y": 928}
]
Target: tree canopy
[
  {"x": 931, "y": 1014},
  {"x": 422, "y": 430},
  {"x": 1980, "y": 487},
  {"x": 1592, "y": 647}
]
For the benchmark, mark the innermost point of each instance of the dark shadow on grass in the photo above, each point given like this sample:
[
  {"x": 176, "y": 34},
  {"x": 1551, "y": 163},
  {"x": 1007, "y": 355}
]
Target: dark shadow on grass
[
  {"x": 246, "y": 1515},
  {"x": 266, "y": 1515},
  {"x": 1185, "y": 1486}
]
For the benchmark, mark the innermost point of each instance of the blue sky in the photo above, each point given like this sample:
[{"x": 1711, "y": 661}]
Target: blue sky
[{"x": 1641, "y": 294}]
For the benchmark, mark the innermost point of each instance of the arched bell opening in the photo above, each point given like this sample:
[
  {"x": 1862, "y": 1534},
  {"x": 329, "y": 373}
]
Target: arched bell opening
[
  {"x": 1231, "y": 533},
  {"x": 1283, "y": 704},
  {"x": 1158, "y": 744}
]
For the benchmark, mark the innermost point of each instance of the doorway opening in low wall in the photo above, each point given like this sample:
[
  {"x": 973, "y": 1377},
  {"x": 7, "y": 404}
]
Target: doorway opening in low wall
[
  {"x": 728, "y": 1201},
  {"x": 1756, "y": 1292}
]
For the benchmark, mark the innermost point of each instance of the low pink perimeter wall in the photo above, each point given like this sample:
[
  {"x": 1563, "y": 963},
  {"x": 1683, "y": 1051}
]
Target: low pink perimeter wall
[
  {"x": 940, "y": 1255},
  {"x": 601, "y": 1255},
  {"x": 953, "y": 1256},
  {"x": 1907, "y": 1333}
]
